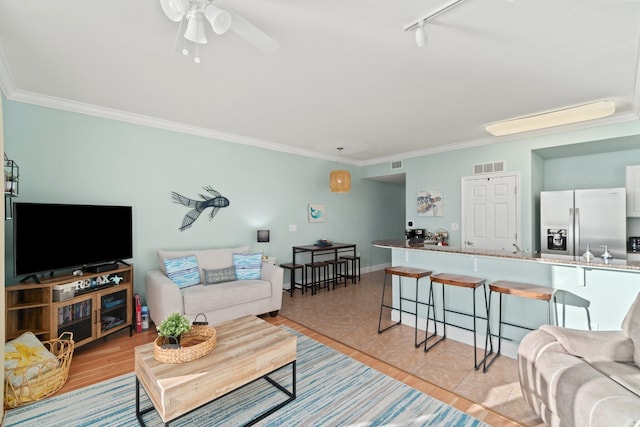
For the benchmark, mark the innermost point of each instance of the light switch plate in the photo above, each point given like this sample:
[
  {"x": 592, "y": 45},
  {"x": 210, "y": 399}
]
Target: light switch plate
[{"x": 293, "y": 227}]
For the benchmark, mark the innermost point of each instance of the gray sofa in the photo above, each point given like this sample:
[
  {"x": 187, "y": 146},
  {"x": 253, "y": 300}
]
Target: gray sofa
[
  {"x": 218, "y": 302},
  {"x": 583, "y": 378}
]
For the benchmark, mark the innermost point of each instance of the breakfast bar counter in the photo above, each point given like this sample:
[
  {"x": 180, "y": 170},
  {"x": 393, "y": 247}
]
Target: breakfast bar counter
[
  {"x": 615, "y": 264},
  {"x": 604, "y": 290}
]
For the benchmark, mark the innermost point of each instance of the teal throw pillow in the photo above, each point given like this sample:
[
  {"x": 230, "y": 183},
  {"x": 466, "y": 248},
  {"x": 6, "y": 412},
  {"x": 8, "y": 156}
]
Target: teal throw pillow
[
  {"x": 248, "y": 266},
  {"x": 211, "y": 277},
  {"x": 183, "y": 271}
]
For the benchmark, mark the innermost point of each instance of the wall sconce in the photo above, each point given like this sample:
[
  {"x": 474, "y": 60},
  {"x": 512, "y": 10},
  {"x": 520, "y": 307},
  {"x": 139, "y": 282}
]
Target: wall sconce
[{"x": 263, "y": 236}]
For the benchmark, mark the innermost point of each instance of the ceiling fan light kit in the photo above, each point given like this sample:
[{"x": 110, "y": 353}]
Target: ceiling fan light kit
[
  {"x": 194, "y": 13},
  {"x": 577, "y": 114},
  {"x": 195, "y": 29},
  {"x": 219, "y": 19}
]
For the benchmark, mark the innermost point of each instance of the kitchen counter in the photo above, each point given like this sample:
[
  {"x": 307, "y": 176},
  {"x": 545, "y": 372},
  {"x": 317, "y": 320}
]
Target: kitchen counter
[
  {"x": 606, "y": 290},
  {"x": 615, "y": 264}
]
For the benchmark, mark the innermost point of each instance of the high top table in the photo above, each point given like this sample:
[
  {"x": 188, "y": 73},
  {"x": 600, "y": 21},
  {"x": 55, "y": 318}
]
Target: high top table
[
  {"x": 247, "y": 350},
  {"x": 334, "y": 249}
]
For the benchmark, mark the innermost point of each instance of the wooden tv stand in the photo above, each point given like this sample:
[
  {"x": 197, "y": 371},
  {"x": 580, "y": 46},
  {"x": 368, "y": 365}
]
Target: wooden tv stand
[{"x": 94, "y": 313}]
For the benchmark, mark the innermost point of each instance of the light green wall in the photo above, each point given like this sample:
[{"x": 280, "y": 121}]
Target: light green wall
[
  {"x": 590, "y": 171},
  {"x": 443, "y": 171},
  {"x": 73, "y": 158}
]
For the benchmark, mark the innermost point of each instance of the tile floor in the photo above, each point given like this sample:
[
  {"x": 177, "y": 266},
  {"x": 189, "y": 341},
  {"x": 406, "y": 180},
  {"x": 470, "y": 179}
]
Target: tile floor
[{"x": 350, "y": 315}]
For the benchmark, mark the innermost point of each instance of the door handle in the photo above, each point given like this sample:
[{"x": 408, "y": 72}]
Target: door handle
[{"x": 470, "y": 243}]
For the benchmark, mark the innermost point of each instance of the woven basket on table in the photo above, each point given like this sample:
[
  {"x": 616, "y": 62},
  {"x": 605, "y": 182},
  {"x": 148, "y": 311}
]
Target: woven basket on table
[
  {"x": 50, "y": 378},
  {"x": 198, "y": 342}
]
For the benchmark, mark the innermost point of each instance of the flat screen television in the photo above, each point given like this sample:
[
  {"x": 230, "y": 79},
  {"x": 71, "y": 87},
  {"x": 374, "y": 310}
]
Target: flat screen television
[{"x": 50, "y": 237}]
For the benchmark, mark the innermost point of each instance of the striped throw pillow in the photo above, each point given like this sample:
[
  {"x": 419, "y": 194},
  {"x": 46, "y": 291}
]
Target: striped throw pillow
[
  {"x": 248, "y": 266},
  {"x": 183, "y": 271}
]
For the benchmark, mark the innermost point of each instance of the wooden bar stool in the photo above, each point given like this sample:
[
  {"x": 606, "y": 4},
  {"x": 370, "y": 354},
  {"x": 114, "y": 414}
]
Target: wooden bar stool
[
  {"x": 319, "y": 275},
  {"x": 523, "y": 290},
  {"x": 353, "y": 263},
  {"x": 401, "y": 272},
  {"x": 338, "y": 270},
  {"x": 469, "y": 282},
  {"x": 292, "y": 269}
]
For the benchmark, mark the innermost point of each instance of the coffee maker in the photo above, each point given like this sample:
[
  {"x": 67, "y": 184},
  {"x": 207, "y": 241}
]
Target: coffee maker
[{"x": 415, "y": 235}]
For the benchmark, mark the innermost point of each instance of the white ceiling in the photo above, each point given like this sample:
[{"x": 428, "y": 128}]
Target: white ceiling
[{"x": 346, "y": 73}]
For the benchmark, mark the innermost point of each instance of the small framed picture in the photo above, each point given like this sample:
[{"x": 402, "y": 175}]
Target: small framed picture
[
  {"x": 430, "y": 203},
  {"x": 316, "y": 212}
]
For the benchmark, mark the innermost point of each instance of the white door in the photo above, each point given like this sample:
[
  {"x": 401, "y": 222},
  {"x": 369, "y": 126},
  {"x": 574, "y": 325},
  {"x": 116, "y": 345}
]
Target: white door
[{"x": 490, "y": 212}]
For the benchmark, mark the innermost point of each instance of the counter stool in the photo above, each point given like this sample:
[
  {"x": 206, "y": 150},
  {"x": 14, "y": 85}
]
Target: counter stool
[
  {"x": 401, "y": 272},
  {"x": 472, "y": 283},
  {"x": 292, "y": 269},
  {"x": 523, "y": 290},
  {"x": 338, "y": 271},
  {"x": 319, "y": 275},
  {"x": 353, "y": 261}
]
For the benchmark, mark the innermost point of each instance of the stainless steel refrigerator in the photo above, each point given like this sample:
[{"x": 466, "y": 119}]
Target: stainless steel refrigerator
[{"x": 571, "y": 220}]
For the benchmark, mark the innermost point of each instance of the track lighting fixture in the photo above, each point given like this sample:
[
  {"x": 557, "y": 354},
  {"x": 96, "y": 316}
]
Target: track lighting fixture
[{"x": 421, "y": 37}]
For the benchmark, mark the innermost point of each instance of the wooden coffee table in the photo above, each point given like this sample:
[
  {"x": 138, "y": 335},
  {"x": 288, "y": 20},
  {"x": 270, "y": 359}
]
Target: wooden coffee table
[{"x": 247, "y": 349}]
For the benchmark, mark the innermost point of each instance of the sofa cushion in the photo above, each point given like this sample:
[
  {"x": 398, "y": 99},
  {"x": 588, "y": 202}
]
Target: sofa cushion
[
  {"x": 183, "y": 271},
  {"x": 221, "y": 275},
  {"x": 248, "y": 266},
  {"x": 209, "y": 259},
  {"x": 631, "y": 326},
  {"x": 608, "y": 345},
  {"x": 200, "y": 298}
]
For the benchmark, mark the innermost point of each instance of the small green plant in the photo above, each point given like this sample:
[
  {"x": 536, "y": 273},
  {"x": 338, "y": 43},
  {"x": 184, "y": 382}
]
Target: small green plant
[{"x": 174, "y": 325}]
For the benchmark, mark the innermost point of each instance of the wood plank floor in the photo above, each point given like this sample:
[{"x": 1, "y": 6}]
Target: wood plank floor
[{"x": 114, "y": 356}]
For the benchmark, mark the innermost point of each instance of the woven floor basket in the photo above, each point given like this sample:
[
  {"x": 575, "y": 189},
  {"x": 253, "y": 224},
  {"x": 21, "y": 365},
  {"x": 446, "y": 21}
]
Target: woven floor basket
[
  {"x": 50, "y": 377},
  {"x": 198, "y": 342}
]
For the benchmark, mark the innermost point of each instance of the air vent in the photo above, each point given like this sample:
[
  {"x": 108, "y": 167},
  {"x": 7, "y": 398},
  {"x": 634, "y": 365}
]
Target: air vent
[
  {"x": 488, "y": 167},
  {"x": 396, "y": 165}
]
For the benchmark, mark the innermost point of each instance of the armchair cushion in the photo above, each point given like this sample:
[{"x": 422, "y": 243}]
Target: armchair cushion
[
  {"x": 631, "y": 326},
  {"x": 614, "y": 346}
]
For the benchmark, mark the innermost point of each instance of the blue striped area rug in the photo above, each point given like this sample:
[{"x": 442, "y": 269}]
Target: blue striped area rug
[{"x": 332, "y": 390}]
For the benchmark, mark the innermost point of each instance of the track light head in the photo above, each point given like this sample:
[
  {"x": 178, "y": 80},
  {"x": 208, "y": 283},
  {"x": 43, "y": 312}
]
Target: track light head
[{"x": 421, "y": 37}]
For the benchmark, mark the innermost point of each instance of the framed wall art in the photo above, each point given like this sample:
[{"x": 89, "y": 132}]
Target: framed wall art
[
  {"x": 316, "y": 212},
  {"x": 430, "y": 203}
]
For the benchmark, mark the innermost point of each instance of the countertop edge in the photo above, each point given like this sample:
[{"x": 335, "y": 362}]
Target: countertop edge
[{"x": 615, "y": 265}]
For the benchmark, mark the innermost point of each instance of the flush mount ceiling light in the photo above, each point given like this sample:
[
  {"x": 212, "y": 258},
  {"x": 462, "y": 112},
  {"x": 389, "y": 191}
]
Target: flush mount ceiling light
[
  {"x": 340, "y": 180},
  {"x": 192, "y": 15},
  {"x": 421, "y": 37},
  {"x": 580, "y": 113}
]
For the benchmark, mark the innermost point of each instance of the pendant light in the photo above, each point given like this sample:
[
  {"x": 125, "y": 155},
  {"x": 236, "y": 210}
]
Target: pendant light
[{"x": 340, "y": 180}]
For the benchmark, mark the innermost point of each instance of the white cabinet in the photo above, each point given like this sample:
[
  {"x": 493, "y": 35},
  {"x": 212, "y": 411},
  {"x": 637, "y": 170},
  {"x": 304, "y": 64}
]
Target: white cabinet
[{"x": 633, "y": 190}]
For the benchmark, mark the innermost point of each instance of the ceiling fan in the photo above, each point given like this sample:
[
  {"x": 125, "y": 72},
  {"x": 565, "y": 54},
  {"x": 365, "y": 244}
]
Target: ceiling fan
[{"x": 192, "y": 15}]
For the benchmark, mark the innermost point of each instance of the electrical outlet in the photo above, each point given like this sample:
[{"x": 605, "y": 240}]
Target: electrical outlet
[{"x": 293, "y": 227}]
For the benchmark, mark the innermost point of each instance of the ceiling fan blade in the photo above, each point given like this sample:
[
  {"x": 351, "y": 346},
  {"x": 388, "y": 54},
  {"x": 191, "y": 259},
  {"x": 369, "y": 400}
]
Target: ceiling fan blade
[
  {"x": 253, "y": 34},
  {"x": 174, "y": 9}
]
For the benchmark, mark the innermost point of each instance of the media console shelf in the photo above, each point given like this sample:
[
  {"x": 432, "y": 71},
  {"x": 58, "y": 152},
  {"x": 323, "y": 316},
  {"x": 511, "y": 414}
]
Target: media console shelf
[{"x": 94, "y": 313}]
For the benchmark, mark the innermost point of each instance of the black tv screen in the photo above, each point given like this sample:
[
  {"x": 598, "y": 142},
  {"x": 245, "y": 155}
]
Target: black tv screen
[{"x": 49, "y": 237}]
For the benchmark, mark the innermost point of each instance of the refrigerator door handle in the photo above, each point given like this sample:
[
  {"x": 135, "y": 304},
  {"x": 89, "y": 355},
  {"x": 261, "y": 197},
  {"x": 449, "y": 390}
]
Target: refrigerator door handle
[
  {"x": 571, "y": 233},
  {"x": 576, "y": 232}
]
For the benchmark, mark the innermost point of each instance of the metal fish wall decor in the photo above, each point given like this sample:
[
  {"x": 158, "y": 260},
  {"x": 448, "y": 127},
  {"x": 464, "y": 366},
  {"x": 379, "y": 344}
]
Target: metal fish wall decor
[{"x": 215, "y": 202}]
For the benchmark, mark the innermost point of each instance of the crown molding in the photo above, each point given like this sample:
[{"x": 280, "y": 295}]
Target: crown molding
[{"x": 139, "y": 119}]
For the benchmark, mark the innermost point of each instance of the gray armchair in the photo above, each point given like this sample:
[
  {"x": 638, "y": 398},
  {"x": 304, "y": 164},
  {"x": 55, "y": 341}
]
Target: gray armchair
[{"x": 583, "y": 378}]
